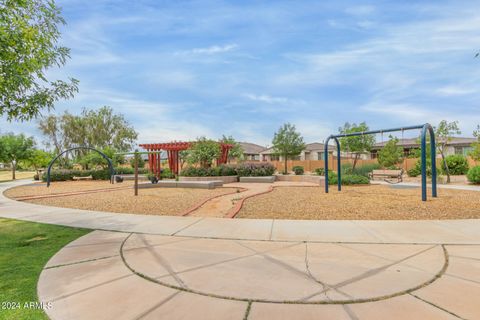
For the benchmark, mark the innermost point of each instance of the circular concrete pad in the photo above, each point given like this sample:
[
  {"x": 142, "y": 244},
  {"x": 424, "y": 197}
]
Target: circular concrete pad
[
  {"x": 284, "y": 271},
  {"x": 113, "y": 275}
]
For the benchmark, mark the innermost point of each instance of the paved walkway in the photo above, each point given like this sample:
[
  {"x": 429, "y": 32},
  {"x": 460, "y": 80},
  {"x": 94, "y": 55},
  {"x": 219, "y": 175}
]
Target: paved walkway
[{"x": 154, "y": 267}]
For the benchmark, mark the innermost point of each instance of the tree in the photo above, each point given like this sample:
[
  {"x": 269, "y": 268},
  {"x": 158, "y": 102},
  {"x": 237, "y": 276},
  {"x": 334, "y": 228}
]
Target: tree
[
  {"x": 39, "y": 159},
  {"x": 236, "y": 152},
  {"x": 94, "y": 159},
  {"x": 15, "y": 148},
  {"x": 390, "y": 154},
  {"x": 475, "y": 152},
  {"x": 356, "y": 144},
  {"x": 204, "y": 152},
  {"x": 287, "y": 142},
  {"x": 99, "y": 129},
  {"x": 29, "y": 38},
  {"x": 444, "y": 134}
]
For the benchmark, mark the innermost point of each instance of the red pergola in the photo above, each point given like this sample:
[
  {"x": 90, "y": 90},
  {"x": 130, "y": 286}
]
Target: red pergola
[{"x": 173, "y": 149}]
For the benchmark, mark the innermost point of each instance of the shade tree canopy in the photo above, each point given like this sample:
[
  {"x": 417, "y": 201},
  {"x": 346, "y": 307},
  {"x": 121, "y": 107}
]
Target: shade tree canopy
[
  {"x": 357, "y": 145},
  {"x": 29, "y": 35},
  {"x": 100, "y": 129},
  {"x": 287, "y": 142},
  {"x": 15, "y": 148}
]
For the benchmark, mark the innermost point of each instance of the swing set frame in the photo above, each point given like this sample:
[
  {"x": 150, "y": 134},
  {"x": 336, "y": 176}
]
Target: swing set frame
[{"x": 424, "y": 127}]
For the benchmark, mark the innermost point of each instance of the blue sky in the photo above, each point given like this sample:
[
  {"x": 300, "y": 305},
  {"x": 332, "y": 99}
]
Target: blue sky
[{"x": 182, "y": 69}]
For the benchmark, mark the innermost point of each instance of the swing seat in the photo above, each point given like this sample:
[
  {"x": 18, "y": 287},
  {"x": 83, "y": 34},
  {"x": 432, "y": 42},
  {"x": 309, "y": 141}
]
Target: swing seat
[{"x": 387, "y": 175}]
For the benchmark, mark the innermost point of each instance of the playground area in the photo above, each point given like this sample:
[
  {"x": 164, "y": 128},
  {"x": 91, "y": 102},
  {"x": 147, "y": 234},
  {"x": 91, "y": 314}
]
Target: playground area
[
  {"x": 103, "y": 196},
  {"x": 279, "y": 200}
]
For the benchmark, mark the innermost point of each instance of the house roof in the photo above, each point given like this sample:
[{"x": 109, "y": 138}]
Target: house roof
[
  {"x": 251, "y": 148},
  {"x": 413, "y": 142},
  {"x": 309, "y": 147},
  {"x": 317, "y": 146}
]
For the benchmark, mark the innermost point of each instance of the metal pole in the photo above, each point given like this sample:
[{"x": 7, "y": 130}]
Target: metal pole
[
  {"x": 325, "y": 158},
  {"x": 339, "y": 166},
  {"x": 433, "y": 151},
  {"x": 136, "y": 174},
  {"x": 424, "y": 163}
]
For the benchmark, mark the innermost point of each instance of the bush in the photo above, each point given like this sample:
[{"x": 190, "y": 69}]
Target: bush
[
  {"x": 255, "y": 169},
  {"x": 320, "y": 171},
  {"x": 166, "y": 173},
  {"x": 473, "y": 175},
  {"x": 67, "y": 175},
  {"x": 364, "y": 170},
  {"x": 457, "y": 164},
  {"x": 128, "y": 170},
  {"x": 414, "y": 172},
  {"x": 298, "y": 170},
  {"x": 348, "y": 179},
  {"x": 252, "y": 169}
]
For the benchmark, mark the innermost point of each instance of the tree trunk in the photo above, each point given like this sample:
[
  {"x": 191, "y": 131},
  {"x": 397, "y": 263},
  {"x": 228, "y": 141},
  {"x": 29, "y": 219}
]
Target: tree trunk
[
  {"x": 285, "y": 172},
  {"x": 447, "y": 171},
  {"x": 355, "y": 161},
  {"x": 14, "y": 167}
]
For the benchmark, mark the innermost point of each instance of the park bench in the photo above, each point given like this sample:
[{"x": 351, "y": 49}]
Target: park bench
[
  {"x": 82, "y": 178},
  {"x": 386, "y": 174}
]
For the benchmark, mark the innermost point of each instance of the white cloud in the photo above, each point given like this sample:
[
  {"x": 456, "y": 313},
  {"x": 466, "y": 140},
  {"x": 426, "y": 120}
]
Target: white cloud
[
  {"x": 267, "y": 98},
  {"x": 215, "y": 49},
  {"x": 455, "y": 91}
]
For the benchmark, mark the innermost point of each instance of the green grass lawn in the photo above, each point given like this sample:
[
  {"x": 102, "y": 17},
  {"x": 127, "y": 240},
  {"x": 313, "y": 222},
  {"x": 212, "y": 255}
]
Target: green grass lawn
[
  {"x": 7, "y": 175},
  {"x": 25, "y": 247}
]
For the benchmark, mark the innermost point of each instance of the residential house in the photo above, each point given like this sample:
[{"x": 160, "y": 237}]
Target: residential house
[
  {"x": 457, "y": 145},
  {"x": 251, "y": 151},
  {"x": 312, "y": 151}
]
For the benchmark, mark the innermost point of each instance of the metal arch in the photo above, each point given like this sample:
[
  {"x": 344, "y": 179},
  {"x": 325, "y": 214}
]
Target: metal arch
[
  {"x": 424, "y": 129},
  {"x": 325, "y": 157},
  {"x": 110, "y": 164},
  {"x": 428, "y": 126}
]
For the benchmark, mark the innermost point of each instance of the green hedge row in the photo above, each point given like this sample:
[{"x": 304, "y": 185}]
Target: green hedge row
[
  {"x": 66, "y": 174},
  {"x": 347, "y": 179},
  {"x": 242, "y": 170}
]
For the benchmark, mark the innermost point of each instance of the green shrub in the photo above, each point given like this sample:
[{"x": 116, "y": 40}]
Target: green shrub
[
  {"x": 67, "y": 175},
  {"x": 414, "y": 172},
  {"x": 347, "y": 179},
  {"x": 128, "y": 170},
  {"x": 166, "y": 173},
  {"x": 298, "y": 170},
  {"x": 227, "y": 170},
  {"x": 457, "y": 164},
  {"x": 364, "y": 170},
  {"x": 255, "y": 169},
  {"x": 473, "y": 175},
  {"x": 244, "y": 169},
  {"x": 320, "y": 171}
]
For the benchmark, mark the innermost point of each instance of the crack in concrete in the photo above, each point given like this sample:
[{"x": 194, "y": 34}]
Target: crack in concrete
[
  {"x": 222, "y": 262},
  {"x": 247, "y": 312},
  {"x": 326, "y": 287},
  {"x": 158, "y": 245},
  {"x": 90, "y": 288},
  {"x": 165, "y": 264},
  {"x": 370, "y": 273},
  {"x": 350, "y": 312},
  {"x": 186, "y": 227},
  {"x": 436, "y": 306},
  {"x": 79, "y": 262},
  {"x": 158, "y": 305}
]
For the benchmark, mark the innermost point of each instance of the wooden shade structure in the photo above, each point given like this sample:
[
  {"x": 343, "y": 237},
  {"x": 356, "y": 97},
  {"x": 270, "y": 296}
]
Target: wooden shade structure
[{"x": 173, "y": 149}]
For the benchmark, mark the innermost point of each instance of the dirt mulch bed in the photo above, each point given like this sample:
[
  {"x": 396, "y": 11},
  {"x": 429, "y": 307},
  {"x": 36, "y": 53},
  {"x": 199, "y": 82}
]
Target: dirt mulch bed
[
  {"x": 362, "y": 203},
  {"x": 60, "y": 187},
  {"x": 156, "y": 201}
]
